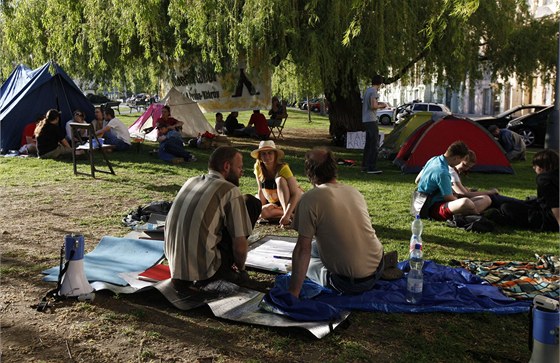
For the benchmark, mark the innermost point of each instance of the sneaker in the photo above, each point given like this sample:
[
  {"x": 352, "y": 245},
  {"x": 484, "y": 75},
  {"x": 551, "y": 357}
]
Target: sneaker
[
  {"x": 192, "y": 159},
  {"x": 374, "y": 171}
]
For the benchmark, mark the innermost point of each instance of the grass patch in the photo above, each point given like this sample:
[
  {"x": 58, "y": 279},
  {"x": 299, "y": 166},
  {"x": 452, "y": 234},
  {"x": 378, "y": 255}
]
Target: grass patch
[{"x": 140, "y": 178}]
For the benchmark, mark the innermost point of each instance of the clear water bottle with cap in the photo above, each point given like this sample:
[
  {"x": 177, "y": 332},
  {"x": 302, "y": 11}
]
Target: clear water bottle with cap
[
  {"x": 416, "y": 228},
  {"x": 415, "y": 279}
]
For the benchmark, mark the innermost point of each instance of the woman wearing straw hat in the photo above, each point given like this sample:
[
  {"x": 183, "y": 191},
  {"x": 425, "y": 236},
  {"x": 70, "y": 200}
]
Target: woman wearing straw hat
[{"x": 279, "y": 191}]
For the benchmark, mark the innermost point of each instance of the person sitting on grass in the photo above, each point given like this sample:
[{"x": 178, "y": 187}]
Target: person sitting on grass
[
  {"x": 51, "y": 140},
  {"x": 220, "y": 124},
  {"x": 28, "y": 141},
  {"x": 207, "y": 226},
  {"x": 346, "y": 254},
  {"x": 115, "y": 132},
  {"x": 279, "y": 191},
  {"x": 171, "y": 147},
  {"x": 461, "y": 191},
  {"x": 79, "y": 135},
  {"x": 541, "y": 213},
  {"x": 166, "y": 118},
  {"x": 99, "y": 121},
  {"x": 435, "y": 179},
  {"x": 258, "y": 126},
  {"x": 232, "y": 125}
]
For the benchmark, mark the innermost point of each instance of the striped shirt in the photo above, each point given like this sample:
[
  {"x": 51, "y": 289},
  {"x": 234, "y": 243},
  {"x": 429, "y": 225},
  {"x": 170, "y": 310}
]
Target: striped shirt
[{"x": 204, "y": 206}]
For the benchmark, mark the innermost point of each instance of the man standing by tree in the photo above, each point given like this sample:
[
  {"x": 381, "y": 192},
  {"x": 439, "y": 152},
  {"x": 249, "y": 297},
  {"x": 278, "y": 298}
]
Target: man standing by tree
[{"x": 370, "y": 106}]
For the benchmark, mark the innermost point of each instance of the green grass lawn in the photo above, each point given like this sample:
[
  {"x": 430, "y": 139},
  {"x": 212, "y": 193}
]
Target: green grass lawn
[{"x": 141, "y": 178}]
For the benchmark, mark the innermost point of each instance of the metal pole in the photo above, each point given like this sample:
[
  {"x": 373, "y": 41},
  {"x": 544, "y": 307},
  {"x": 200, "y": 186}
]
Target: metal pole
[{"x": 552, "y": 129}]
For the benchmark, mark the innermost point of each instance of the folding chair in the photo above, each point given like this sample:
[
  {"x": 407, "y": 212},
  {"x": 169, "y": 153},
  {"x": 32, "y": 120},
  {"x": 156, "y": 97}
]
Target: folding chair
[{"x": 278, "y": 129}]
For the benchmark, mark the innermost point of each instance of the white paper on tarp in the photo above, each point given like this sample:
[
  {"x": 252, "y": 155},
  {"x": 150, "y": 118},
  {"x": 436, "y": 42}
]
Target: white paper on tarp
[
  {"x": 273, "y": 255},
  {"x": 132, "y": 279},
  {"x": 357, "y": 139}
]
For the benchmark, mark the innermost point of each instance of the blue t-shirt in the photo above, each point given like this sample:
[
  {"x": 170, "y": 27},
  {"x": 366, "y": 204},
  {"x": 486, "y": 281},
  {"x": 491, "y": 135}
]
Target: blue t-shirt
[
  {"x": 369, "y": 115},
  {"x": 436, "y": 179}
]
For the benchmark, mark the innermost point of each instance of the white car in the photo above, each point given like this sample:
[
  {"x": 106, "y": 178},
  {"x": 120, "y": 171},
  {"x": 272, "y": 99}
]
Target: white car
[
  {"x": 403, "y": 112},
  {"x": 385, "y": 115}
]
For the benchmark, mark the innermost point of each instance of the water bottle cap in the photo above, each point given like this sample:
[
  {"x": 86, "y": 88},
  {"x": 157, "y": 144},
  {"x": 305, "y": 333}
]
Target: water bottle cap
[
  {"x": 418, "y": 216},
  {"x": 418, "y": 246}
]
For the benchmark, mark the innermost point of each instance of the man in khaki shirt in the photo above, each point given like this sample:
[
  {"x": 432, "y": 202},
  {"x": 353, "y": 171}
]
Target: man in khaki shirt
[{"x": 347, "y": 255}]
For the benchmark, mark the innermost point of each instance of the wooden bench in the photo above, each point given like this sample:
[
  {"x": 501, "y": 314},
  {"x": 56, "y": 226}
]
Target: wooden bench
[{"x": 113, "y": 105}]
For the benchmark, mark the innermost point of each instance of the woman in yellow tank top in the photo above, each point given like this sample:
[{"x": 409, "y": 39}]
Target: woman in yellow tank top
[{"x": 279, "y": 190}]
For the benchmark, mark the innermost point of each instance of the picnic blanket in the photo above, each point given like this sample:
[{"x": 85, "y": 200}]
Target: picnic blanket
[
  {"x": 446, "y": 289},
  {"x": 520, "y": 280},
  {"x": 115, "y": 255}
]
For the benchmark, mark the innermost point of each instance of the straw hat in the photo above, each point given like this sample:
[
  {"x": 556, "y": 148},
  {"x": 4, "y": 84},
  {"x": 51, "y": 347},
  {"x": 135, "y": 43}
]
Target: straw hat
[{"x": 267, "y": 145}]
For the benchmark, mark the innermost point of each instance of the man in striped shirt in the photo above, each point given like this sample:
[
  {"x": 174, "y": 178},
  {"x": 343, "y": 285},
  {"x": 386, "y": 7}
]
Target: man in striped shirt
[{"x": 207, "y": 227}]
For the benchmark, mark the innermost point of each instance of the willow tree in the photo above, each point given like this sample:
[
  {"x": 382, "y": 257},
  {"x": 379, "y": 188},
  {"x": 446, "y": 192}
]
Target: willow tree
[
  {"x": 344, "y": 42},
  {"x": 334, "y": 44},
  {"x": 111, "y": 42}
]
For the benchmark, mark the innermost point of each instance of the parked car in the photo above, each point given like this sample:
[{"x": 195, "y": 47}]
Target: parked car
[
  {"x": 385, "y": 115},
  {"x": 314, "y": 105},
  {"x": 404, "y": 111},
  {"x": 531, "y": 127},
  {"x": 503, "y": 118}
]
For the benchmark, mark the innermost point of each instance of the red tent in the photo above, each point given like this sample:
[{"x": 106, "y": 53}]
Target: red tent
[{"x": 433, "y": 139}]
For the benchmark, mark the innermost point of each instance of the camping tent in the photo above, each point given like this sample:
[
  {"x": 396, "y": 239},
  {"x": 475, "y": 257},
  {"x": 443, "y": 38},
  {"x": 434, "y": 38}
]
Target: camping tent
[
  {"x": 433, "y": 138},
  {"x": 182, "y": 108},
  {"x": 28, "y": 93},
  {"x": 400, "y": 133}
]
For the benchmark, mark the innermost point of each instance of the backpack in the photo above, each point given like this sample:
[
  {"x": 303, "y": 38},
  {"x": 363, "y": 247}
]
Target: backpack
[{"x": 142, "y": 213}]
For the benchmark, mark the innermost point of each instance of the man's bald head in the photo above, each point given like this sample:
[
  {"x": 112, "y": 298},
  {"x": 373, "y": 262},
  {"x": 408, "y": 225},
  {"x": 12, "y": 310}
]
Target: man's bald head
[{"x": 320, "y": 166}]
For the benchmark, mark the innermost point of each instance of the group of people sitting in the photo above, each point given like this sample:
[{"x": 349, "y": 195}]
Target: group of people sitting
[
  {"x": 440, "y": 180},
  {"x": 258, "y": 127},
  {"x": 346, "y": 255},
  {"x": 45, "y": 137},
  {"x": 332, "y": 249}
]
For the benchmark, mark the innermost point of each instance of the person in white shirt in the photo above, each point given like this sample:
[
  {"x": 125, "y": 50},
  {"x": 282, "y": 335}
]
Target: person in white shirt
[{"x": 115, "y": 132}]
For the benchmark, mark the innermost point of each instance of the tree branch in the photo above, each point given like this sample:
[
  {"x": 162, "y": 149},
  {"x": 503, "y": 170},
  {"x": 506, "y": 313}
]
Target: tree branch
[{"x": 405, "y": 69}]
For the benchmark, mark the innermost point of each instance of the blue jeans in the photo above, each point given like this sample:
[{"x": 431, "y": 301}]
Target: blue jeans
[
  {"x": 111, "y": 139},
  {"x": 369, "y": 161},
  {"x": 173, "y": 148}
]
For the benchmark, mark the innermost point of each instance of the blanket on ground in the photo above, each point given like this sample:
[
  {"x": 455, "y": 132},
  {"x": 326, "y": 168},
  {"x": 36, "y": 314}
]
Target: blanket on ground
[
  {"x": 115, "y": 255},
  {"x": 520, "y": 280},
  {"x": 446, "y": 289}
]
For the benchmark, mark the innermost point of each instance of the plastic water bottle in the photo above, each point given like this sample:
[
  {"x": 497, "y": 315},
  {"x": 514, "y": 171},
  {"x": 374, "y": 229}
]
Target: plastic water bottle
[
  {"x": 416, "y": 228},
  {"x": 415, "y": 279}
]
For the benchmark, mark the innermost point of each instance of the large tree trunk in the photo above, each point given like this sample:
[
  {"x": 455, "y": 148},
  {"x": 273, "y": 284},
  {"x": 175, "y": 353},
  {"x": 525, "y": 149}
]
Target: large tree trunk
[{"x": 345, "y": 109}]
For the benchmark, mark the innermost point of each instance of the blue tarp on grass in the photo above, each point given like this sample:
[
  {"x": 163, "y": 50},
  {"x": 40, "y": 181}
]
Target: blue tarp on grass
[
  {"x": 446, "y": 289},
  {"x": 115, "y": 255}
]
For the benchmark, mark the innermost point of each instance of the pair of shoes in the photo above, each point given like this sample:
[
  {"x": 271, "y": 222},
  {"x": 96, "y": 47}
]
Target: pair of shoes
[
  {"x": 374, "y": 171},
  {"x": 176, "y": 161}
]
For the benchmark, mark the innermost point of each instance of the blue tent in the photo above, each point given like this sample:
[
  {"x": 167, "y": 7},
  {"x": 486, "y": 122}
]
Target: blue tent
[{"x": 28, "y": 93}]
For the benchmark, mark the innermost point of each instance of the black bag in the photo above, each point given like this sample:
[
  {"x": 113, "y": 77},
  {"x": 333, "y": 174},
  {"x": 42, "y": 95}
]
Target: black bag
[
  {"x": 142, "y": 214},
  {"x": 420, "y": 204},
  {"x": 472, "y": 223}
]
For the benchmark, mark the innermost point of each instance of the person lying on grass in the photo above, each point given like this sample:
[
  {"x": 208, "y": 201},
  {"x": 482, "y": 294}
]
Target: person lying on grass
[{"x": 279, "y": 191}]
